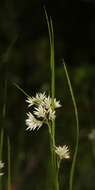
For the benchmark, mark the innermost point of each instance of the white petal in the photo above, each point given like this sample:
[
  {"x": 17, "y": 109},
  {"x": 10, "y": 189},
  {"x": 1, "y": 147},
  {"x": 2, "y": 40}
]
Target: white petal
[
  {"x": 51, "y": 114},
  {"x": 30, "y": 101},
  {"x": 32, "y": 122},
  {"x": 40, "y": 112},
  {"x": 40, "y": 98},
  {"x": 57, "y": 103},
  {"x": 1, "y": 164}
]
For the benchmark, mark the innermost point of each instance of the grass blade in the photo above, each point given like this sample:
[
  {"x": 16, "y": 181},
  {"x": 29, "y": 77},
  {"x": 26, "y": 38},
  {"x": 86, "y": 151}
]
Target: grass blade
[{"x": 77, "y": 130}]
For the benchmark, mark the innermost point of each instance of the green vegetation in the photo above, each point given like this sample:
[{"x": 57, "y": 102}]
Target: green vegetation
[{"x": 28, "y": 61}]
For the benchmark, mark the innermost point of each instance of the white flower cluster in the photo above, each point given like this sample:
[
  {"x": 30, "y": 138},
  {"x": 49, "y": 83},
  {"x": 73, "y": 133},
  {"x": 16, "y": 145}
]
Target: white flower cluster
[
  {"x": 1, "y": 166},
  {"x": 62, "y": 152},
  {"x": 44, "y": 110}
]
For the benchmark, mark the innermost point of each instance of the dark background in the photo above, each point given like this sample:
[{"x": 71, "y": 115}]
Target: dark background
[{"x": 24, "y": 59}]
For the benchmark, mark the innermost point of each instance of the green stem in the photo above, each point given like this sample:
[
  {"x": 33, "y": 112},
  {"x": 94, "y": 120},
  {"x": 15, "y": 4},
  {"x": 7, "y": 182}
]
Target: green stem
[
  {"x": 77, "y": 130},
  {"x": 52, "y": 66},
  {"x": 2, "y": 129},
  {"x": 58, "y": 169},
  {"x": 1, "y": 152},
  {"x": 3, "y": 116},
  {"x": 9, "y": 163},
  {"x": 52, "y": 60},
  {"x": 52, "y": 63},
  {"x": 54, "y": 172},
  {"x": 52, "y": 79},
  {"x": 1, "y": 143},
  {"x": 18, "y": 87}
]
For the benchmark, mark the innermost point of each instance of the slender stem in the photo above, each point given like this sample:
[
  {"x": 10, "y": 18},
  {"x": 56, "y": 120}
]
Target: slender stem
[
  {"x": 2, "y": 129},
  {"x": 52, "y": 63},
  {"x": 18, "y": 87},
  {"x": 54, "y": 171},
  {"x": 77, "y": 131},
  {"x": 53, "y": 95},
  {"x": 1, "y": 143},
  {"x": 1, "y": 152},
  {"x": 9, "y": 163},
  {"x": 3, "y": 116},
  {"x": 58, "y": 169},
  {"x": 4, "y": 60},
  {"x": 52, "y": 78},
  {"x": 49, "y": 29},
  {"x": 52, "y": 66}
]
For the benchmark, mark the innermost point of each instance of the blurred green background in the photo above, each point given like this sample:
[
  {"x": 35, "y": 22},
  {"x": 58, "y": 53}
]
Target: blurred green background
[{"x": 24, "y": 59}]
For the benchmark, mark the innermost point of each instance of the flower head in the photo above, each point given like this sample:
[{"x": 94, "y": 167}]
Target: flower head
[
  {"x": 32, "y": 122},
  {"x": 40, "y": 112},
  {"x": 40, "y": 98},
  {"x": 44, "y": 110},
  {"x": 62, "y": 152},
  {"x": 1, "y": 166},
  {"x": 47, "y": 102},
  {"x": 57, "y": 103},
  {"x": 30, "y": 101},
  {"x": 36, "y": 100}
]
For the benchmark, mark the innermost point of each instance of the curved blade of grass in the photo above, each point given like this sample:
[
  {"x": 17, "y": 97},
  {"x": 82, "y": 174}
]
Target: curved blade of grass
[
  {"x": 49, "y": 31},
  {"x": 2, "y": 129},
  {"x": 52, "y": 61},
  {"x": 4, "y": 58},
  {"x": 6, "y": 54},
  {"x": 77, "y": 130},
  {"x": 18, "y": 87},
  {"x": 9, "y": 163}
]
